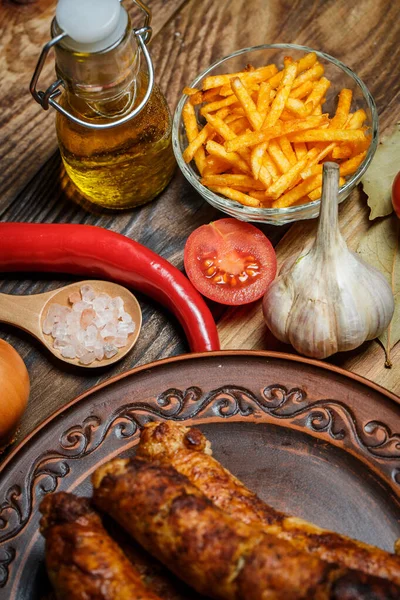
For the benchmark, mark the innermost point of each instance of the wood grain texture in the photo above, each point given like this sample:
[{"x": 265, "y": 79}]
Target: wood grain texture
[{"x": 189, "y": 36}]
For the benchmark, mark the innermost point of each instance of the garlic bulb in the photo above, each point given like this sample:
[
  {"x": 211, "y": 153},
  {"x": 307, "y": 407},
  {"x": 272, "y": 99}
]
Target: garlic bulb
[{"x": 328, "y": 299}]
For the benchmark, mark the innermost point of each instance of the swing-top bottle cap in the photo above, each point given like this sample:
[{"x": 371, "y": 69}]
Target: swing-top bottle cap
[{"x": 91, "y": 25}]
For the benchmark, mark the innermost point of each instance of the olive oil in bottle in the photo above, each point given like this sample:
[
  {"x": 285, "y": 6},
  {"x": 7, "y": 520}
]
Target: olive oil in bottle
[{"x": 113, "y": 123}]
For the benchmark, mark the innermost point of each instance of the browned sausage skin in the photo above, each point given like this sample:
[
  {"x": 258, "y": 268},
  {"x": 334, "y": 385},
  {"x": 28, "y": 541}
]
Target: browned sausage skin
[
  {"x": 216, "y": 554},
  {"x": 82, "y": 560},
  {"x": 229, "y": 494}
]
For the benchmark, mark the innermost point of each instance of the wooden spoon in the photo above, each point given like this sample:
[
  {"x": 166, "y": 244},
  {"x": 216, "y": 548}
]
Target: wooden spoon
[{"x": 29, "y": 312}]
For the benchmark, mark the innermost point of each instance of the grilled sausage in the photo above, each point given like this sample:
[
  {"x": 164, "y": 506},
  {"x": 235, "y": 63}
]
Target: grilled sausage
[
  {"x": 194, "y": 461},
  {"x": 153, "y": 573},
  {"x": 215, "y": 553},
  {"x": 82, "y": 560}
]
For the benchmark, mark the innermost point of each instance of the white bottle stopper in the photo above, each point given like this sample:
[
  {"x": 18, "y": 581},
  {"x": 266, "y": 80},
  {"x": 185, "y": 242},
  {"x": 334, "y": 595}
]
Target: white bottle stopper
[{"x": 91, "y": 25}]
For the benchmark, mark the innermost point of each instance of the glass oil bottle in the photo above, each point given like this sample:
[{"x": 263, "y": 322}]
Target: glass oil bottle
[{"x": 113, "y": 123}]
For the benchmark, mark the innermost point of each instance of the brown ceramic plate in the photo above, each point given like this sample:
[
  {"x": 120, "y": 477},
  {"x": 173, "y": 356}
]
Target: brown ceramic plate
[{"x": 309, "y": 438}]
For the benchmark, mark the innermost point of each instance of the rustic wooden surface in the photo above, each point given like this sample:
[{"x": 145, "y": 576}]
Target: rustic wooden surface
[{"x": 188, "y": 36}]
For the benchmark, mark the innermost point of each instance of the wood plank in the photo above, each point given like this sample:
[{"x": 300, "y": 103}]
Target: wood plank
[
  {"x": 27, "y": 131},
  {"x": 193, "y": 37}
]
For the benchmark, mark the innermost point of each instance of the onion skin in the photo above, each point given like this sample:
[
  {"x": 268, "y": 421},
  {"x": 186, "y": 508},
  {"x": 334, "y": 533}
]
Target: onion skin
[{"x": 14, "y": 391}]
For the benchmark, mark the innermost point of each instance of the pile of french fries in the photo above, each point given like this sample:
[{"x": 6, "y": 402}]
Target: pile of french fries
[{"x": 265, "y": 136}]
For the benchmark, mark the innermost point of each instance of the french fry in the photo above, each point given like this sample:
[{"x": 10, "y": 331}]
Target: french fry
[
  {"x": 240, "y": 126},
  {"x": 311, "y": 171},
  {"x": 246, "y": 103},
  {"x": 310, "y": 75},
  {"x": 287, "y": 149},
  {"x": 350, "y": 166},
  {"x": 212, "y": 95},
  {"x": 264, "y": 176},
  {"x": 264, "y": 98},
  {"x": 258, "y": 195},
  {"x": 342, "y": 110},
  {"x": 220, "y": 126},
  {"x": 303, "y": 90},
  {"x": 214, "y": 106},
  {"x": 235, "y": 195},
  {"x": 319, "y": 90},
  {"x": 196, "y": 98},
  {"x": 197, "y": 143},
  {"x": 192, "y": 131},
  {"x": 357, "y": 119},
  {"x": 340, "y": 152},
  {"x": 233, "y": 117},
  {"x": 278, "y": 103},
  {"x": 346, "y": 168},
  {"x": 256, "y": 160},
  {"x": 269, "y": 164},
  {"x": 289, "y": 177},
  {"x": 317, "y": 193},
  {"x": 298, "y": 108},
  {"x": 328, "y": 135},
  {"x": 320, "y": 155},
  {"x": 253, "y": 138},
  {"x": 264, "y": 135},
  {"x": 190, "y": 91},
  {"x": 232, "y": 181},
  {"x": 300, "y": 149},
  {"x": 256, "y": 76},
  {"x": 232, "y": 158},
  {"x": 278, "y": 157},
  {"x": 215, "y": 165},
  {"x": 287, "y": 116},
  {"x": 303, "y": 189},
  {"x": 305, "y": 63}
]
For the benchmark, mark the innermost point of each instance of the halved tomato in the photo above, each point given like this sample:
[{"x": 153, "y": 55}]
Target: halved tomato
[{"x": 230, "y": 262}]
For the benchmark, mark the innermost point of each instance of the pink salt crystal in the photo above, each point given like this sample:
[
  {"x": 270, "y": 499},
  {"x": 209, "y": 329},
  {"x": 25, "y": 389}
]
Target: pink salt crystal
[
  {"x": 80, "y": 350},
  {"x": 58, "y": 330},
  {"x": 126, "y": 317},
  {"x": 47, "y": 326},
  {"x": 87, "y": 317},
  {"x": 87, "y": 358},
  {"x": 99, "y": 351},
  {"x": 80, "y": 306},
  {"x": 108, "y": 314},
  {"x": 68, "y": 352},
  {"x": 88, "y": 293},
  {"x": 120, "y": 341},
  {"x": 110, "y": 330},
  {"x": 74, "y": 297},
  {"x": 62, "y": 342},
  {"x": 110, "y": 350}
]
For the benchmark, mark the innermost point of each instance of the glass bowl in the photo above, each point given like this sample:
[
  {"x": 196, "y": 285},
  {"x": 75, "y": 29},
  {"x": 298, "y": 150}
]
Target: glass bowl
[{"x": 340, "y": 77}]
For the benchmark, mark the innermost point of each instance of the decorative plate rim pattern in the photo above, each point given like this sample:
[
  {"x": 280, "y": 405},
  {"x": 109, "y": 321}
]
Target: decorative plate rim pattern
[{"x": 327, "y": 418}]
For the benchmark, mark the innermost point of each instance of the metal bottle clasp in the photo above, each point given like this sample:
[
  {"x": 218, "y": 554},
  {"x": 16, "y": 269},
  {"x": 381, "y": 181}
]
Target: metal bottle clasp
[{"x": 48, "y": 98}]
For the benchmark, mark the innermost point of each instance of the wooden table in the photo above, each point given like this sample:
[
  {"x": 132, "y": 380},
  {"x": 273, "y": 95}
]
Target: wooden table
[{"x": 188, "y": 36}]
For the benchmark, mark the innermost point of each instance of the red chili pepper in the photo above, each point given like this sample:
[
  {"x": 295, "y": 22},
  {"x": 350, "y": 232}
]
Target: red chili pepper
[{"x": 87, "y": 250}]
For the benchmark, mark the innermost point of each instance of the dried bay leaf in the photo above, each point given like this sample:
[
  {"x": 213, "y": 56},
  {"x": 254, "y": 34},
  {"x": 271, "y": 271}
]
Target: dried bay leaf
[
  {"x": 380, "y": 247},
  {"x": 377, "y": 182}
]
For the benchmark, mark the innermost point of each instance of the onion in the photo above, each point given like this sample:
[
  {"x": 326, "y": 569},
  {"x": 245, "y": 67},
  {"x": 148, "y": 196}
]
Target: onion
[{"x": 14, "y": 391}]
